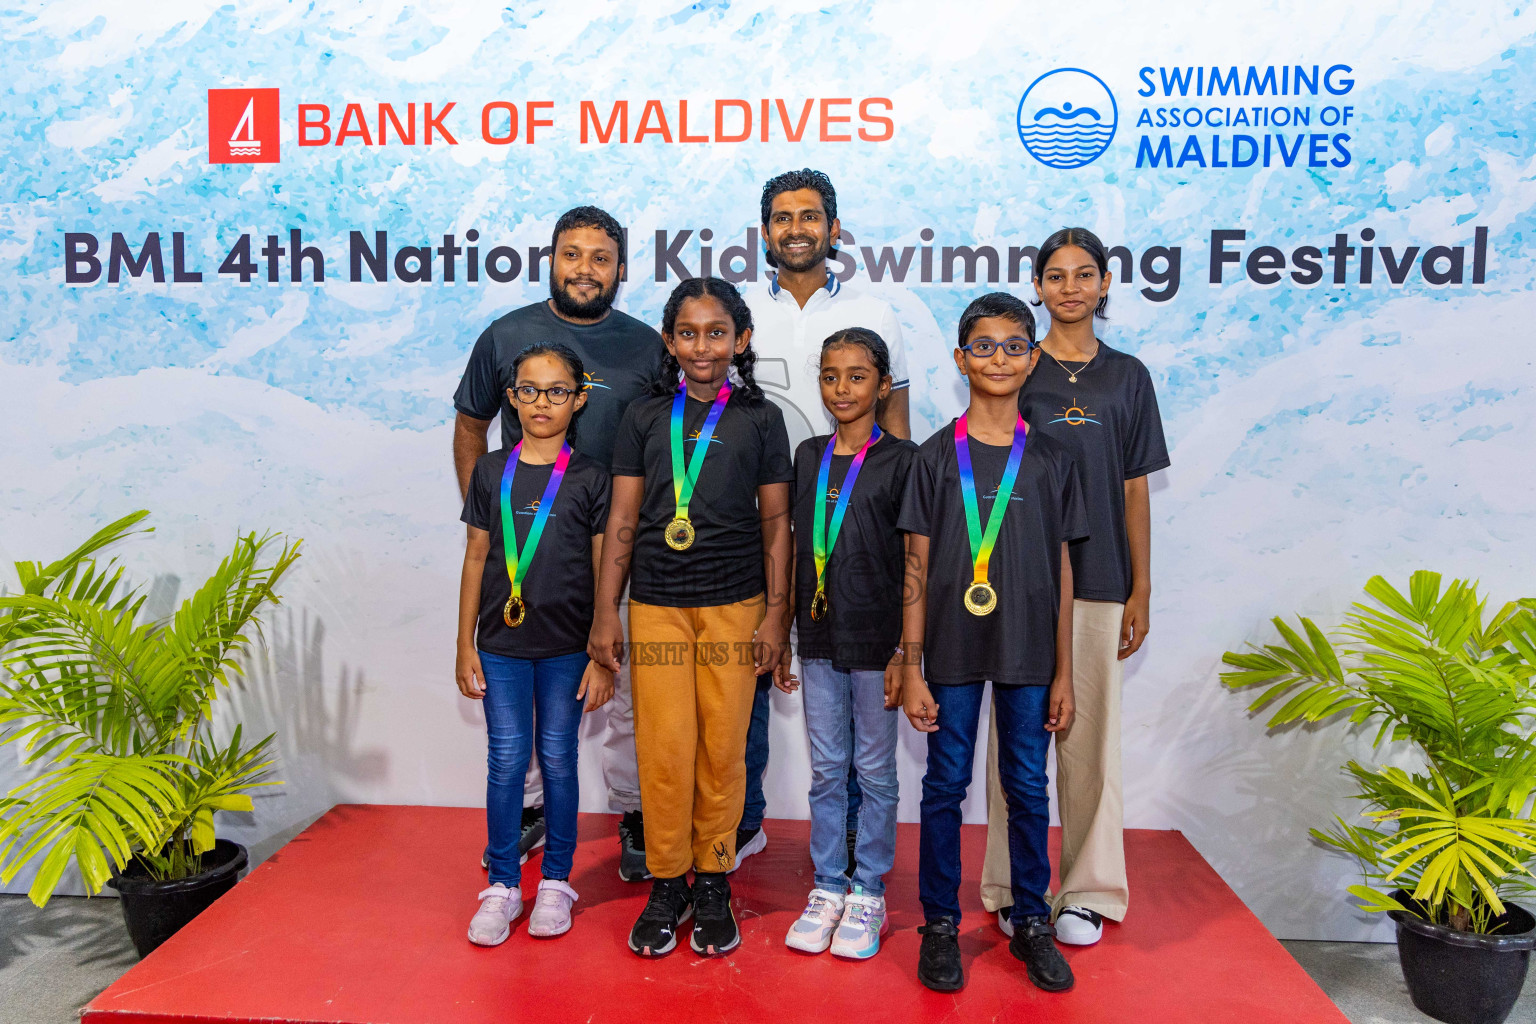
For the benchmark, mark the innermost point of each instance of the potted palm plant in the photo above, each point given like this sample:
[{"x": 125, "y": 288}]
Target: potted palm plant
[
  {"x": 1446, "y": 842},
  {"x": 115, "y": 712}
]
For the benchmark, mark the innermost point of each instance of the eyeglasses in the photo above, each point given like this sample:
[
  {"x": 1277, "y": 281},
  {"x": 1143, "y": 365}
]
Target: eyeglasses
[
  {"x": 557, "y": 395},
  {"x": 985, "y": 348}
]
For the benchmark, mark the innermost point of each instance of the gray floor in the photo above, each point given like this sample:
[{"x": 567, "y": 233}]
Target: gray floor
[{"x": 54, "y": 961}]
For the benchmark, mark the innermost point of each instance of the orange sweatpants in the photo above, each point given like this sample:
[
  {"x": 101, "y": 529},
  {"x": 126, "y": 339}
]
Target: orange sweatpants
[{"x": 692, "y": 682}]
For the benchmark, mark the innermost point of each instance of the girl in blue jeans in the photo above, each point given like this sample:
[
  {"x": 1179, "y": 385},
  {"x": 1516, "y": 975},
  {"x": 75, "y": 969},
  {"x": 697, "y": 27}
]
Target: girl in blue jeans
[
  {"x": 535, "y": 516},
  {"x": 848, "y": 576}
]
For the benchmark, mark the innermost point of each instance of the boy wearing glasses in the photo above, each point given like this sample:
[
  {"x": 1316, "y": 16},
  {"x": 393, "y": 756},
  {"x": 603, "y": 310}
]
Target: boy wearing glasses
[{"x": 989, "y": 510}]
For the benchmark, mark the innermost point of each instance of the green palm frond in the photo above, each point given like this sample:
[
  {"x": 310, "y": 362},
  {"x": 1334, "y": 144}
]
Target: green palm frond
[
  {"x": 118, "y": 708},
  {"x": 1424, "y": 668}
]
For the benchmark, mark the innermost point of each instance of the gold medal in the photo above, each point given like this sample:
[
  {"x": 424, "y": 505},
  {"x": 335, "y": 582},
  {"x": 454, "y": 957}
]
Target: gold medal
[
  {"x": 679, "y": 534},
  {"x": 515, "y": 611},
  {"x": 819, "y": 606},
  {"x": 980, "y": 598}
]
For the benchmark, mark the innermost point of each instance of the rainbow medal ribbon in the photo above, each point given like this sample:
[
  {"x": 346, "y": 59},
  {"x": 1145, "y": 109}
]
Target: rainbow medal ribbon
[
  {"x": 823, "y": 536},
  {"x": 679, "y": 535},
  {"x": 980, "y": 598},
  {"x": 518, "y": 561}
]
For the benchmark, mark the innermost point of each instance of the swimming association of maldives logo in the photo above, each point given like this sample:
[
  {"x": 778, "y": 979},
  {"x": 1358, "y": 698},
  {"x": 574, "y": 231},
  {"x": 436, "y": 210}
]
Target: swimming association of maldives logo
[
  {"x": 243, "y": 126},
  {"x": 1067, "y": 118}
]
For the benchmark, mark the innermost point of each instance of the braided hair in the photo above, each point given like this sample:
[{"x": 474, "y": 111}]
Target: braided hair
[{"x": 725, "y": 293}]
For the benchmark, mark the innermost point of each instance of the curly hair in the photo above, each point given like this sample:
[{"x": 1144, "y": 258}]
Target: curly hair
[
  {"x": 725, "y": 293},
  {"x": 794, "y": 181}
]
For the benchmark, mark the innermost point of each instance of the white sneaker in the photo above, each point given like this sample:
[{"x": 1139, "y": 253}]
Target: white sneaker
[
  {"x": 551, "y": 914},
  {"x": 492, "y": 923},
  {"x": 1004, "y": 925},
  {"x": 863, "y": 922},
  {"x": 812, "y": 933},
  {"x": 1078, "y": 926}
]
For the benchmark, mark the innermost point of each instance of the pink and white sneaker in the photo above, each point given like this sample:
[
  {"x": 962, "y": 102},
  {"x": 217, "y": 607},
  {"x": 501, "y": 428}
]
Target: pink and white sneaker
[
  {"x": 551, "y": 914},
  {"x": 858, "y": 933},
  {"x": 492, "y": 923},
  {"x": 812, "y": 933}
]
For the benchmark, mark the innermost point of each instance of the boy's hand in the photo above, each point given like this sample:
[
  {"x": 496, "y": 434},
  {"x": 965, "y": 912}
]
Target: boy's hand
[
  {"x": 1061, "y": 707},
  {"x": 893, "y": 673},
  {"x": 468, "y": 673},
  {"x": 784, "y": 679},
  {"x": 605, "y": 644},
  {"x": 769, "y": 647},
  {"x": 918, "y": 703},
  {"x": 596, "y": 686}
]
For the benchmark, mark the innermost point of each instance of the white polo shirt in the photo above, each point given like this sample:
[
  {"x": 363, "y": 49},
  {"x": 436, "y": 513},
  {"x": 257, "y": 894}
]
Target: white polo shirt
[{"x": 787, "y": 340}]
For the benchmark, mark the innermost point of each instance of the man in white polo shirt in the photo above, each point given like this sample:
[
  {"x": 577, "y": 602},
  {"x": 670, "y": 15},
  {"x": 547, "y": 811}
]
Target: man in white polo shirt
[{"x": 799, "y": 306}]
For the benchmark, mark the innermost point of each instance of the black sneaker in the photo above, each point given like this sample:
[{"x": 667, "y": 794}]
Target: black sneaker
[
  {"x": 533, "y": 833},
  {"x": 938, "y": 960},
  {"x": 714, "y": 925},
  {"x": 748, "y": 842},
  {"x": 632, "y": 847},
  {"x": 671, "y": 903},
  {"x": 1046, "y": 967},
  {"x": 853, "y": 863}
]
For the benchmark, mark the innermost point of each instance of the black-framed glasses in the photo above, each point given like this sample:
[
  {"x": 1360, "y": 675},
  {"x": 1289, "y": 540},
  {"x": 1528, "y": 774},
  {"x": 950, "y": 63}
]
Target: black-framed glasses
[
  {"x": 557, "y": 395},
  {"x": 985, "y": 348}
]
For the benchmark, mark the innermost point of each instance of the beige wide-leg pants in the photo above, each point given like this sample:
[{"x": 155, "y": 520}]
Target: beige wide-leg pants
[{"x": 1088, "y": 792}]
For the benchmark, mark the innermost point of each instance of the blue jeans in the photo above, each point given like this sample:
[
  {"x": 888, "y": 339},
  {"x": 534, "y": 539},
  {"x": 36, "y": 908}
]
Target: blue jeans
[
  {"x": 513, "y": 688},
  {"x": 1022, "y": 743},
  {"x": 757, "y": 763},
  {"x": 833, "y": 701}
]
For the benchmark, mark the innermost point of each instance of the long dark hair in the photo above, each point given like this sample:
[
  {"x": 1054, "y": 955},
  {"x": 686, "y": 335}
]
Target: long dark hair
[
  {"x": 725, "y": 293},
  {"x": 1085, "y": 240},
  {"x": 572, "y": 361}
]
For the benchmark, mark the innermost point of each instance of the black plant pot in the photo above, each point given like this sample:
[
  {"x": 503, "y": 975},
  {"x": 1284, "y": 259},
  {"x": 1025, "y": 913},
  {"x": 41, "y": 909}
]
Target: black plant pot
[
  {"x": 1459, "y": 977},
  {"x": 154, "y": 911}
]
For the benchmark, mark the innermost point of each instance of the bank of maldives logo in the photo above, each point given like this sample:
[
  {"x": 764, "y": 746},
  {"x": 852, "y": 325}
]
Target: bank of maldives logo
[
  {"x": 242, "y": 126},
  {"x": 1067, "y": 118}
]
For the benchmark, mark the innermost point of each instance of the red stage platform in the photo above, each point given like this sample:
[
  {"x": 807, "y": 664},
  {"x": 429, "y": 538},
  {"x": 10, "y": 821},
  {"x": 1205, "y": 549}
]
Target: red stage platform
[{"x": 361, "y": 919}]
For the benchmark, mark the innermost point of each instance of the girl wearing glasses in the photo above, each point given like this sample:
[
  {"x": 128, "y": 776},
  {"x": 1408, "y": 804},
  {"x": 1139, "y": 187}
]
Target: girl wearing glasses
[
  {"x": 1099, "y": 402},
  {"x": 535, "y": 518}
]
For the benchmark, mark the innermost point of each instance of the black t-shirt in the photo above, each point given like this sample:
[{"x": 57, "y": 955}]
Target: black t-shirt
[
  {"x": 558, "y": 586},
  {"x": 725, "y": 562},
  {"x": 862, "y": 626},
  {"x": 619, "y": 353},
  {"x": 1109, "y": 422},
  {"x": 1016, "y": 644}
]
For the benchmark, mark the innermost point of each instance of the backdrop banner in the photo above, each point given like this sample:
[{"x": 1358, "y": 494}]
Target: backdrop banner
[{"x": 244, "y": 254}]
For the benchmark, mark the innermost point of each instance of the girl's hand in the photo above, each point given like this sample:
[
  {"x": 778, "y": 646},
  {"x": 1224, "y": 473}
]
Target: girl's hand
[
  {"x": 769, "y": 647},
  {"x": 784, "y": 679},
  {"x": 605, "y": 644},
  {"x": 1133, "y": 623},
  {"x": 468, "y": 673},
  {"x": 1061, "y": 707},
  {"x": 596, "y": 686},
  {"x": 893, "y": 683},
  {"x": 918, "y": 703}
]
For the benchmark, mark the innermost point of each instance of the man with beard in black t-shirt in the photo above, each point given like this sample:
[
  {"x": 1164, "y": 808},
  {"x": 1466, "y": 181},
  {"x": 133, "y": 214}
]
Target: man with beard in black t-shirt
[{"x": 586, "y": 265}]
